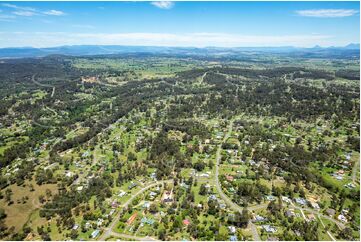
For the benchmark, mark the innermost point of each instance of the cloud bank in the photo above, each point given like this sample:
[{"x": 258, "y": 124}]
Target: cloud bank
[
  {"x": 163, "y": 4},
  {"x": 327, "y": 13}
]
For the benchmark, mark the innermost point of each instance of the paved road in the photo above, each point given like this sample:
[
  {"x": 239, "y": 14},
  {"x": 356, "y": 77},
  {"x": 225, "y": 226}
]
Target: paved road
[
  {"x": 339, "y": 224},
  {"x": 354, "y": 171},
  {"x": 108, "y": 231},
  {"x": 328, "y": 232},
  {"x": 227, "y": 200},
  {"x": 127, "y": 236}
]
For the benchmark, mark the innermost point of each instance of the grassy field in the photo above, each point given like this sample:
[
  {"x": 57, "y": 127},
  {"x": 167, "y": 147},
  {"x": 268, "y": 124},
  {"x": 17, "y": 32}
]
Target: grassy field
[{"x": 19, "y": 213}]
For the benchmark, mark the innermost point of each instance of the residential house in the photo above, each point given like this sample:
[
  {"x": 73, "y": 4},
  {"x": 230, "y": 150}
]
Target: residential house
[
  {"x": 269, "y": 229},
  {"x": 232, "y": 229},
  {"x": 95, "y": 233},
  {"x": 289, "y": 213},
  {"x": 311, "y": 217},
  {"x": 233, "y": 238},
  {"x": 342, "y": 218},
  {"x": 186, "y": 222},
  {"x": 270, "y": 198},
  {"x": 301, "y": 201},
  {"x": 167, "y": 197}
]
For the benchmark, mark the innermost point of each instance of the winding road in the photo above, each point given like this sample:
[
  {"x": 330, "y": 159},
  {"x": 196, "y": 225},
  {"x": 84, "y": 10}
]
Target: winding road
[
  {"x": 108, "y": 231},
  {"x": 227, "y": 200}
]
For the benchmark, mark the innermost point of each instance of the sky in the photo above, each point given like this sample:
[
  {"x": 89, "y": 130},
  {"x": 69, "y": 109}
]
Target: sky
[{"x": 198, "y": 24}]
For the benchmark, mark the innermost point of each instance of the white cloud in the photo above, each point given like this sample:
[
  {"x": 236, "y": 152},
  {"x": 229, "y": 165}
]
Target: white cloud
[
  {"x": 327, "y": 13},
  {"x": 8, "y": 5},
  {"x": 45, "y": 39},
  {"x": 24, "y": 13},
  {"x": 29, "y": 11},
  {"x": 54, "y": 12},
  {"x": 163, "y": 4}
]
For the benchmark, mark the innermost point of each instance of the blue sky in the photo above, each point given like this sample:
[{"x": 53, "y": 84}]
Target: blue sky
[{"x": 227, "y": 24}]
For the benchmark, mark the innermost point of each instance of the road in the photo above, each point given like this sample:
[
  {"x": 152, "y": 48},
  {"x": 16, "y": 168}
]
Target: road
[
  {"x": 328, "y": 232},
  {"x": 354, "y": 171},
  {"x": 338, "y": 223},
  {"x": 203, "y": 76},
  {"x": 227, "y": 200},
  {"x": 108, "y": 231},
  {"x": 127, "y": 236}
]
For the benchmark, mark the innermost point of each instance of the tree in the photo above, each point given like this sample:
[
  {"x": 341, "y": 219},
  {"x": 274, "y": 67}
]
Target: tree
[
  {"x": 2, "y": 214},
  {"x": 202, "y": 190},
  {"x": 222, "y": 234},
  {"x": 153, "y": 208},
  {"x": 8, "y": 194},
  {"x": 161, "y": 232},
  {"x": 48, "y": 193}
]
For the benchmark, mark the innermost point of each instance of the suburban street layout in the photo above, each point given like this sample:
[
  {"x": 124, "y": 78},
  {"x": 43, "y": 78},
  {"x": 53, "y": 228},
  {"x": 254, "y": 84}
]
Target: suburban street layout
[{"x": 179, "y": 121}]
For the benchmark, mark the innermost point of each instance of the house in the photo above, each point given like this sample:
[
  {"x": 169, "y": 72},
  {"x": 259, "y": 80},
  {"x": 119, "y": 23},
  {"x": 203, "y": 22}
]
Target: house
[
  {"x": 152, "y": 195},
  {"x": 87, "y": 225},
  {"x": 115, "y": 204},
  {"x": 311, "y": 217},
  {"x": 121, "y": 193},
  {"x": 212, "y": 197},
  {"x": 314, "y": 205},
  {"x": 184, "y": 185},
  {"x": 153, "y": 176},
  {"x": 342, "y": 218},
  {"x": 286, "y": 199},
  {"x": 289, "y": 213},
  {"x": 344, "y": 211},
  {"x": 75, "y": 227},
  {"x": 85, "y": 154},
  {"x": 331, "y": 212},
  {"x": 146, "y": 205},
  {"x": 270, "y": 198},
  {"x": 222, "y": 206},
  {"x": 338, "y": 177},
  {"x": 95, "y": 233},
  {"x": 233, "y": 238},
  {"x": 259, "y": 218},
  {"x": 204, "y": 175},
  {"x": 100, "y": 222},
  {"x": 79, "y": 188},
  {"x": 69, "y": 174},
  {"x": 232, "y": 229},
  {"x": 229, "y": 178},
  {"x": 348, "y": 156},
  {"x": 350, "y": 185},
  {"x": 147, "y": 221},
  {"x": 132, "y": 185},
  {"x": 132, "y": 218},
  {"x": 301, "y": 201},
  {"x": 269, "y": 229},
  {"x": 186, "y": 222},
  {"x": 167, "y": 197}
]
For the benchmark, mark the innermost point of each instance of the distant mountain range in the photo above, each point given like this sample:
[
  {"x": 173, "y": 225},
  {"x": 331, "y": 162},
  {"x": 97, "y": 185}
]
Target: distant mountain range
[{"x": 81, "y": 50}]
